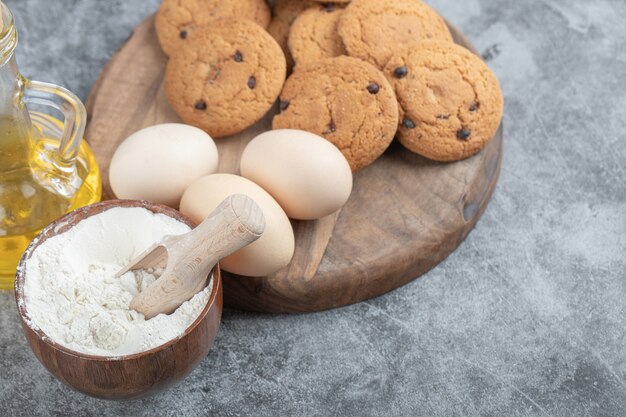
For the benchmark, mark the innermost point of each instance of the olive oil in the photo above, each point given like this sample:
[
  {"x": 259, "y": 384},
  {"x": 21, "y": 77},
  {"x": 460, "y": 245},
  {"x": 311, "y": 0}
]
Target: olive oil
[
  {"x": 34, "y": 191},
  {"x": 46, "y": 168}
]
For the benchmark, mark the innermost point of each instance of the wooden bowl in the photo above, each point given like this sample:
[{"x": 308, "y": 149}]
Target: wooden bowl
[{"x": 124, "y": 377}]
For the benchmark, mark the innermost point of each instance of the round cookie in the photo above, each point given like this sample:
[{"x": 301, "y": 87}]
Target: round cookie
[
  {"x": 345, "y": 100},
  {"x": 314, "y": 36},
  {"x": 285, "y": 12},
  {"x": 177, "y": 19},
  {"x": 374, "y": 30},
  {"x": 226, "y": 77},
  {"x": 450, "y": 101}
]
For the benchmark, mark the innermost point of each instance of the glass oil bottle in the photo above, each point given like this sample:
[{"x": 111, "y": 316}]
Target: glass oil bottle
[{"x": 46, "y": 168}]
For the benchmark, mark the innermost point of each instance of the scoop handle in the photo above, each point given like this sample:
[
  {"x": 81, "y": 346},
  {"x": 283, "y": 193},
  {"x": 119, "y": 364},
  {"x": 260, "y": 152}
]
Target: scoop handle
[{"x": 235, "y": 223}]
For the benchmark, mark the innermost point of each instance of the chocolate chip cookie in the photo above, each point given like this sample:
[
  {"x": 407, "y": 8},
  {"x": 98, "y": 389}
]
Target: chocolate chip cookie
[
  {"x": 450, "y": 102},
  {"x": 374, "y": 30},
  {"x": 177, "y": 19},
  {"x": 345, "y": 100},
  {"x": 285, "y": 12},
  {"x": 225, "y": 77},
  {"x": 314, "y": 36}
]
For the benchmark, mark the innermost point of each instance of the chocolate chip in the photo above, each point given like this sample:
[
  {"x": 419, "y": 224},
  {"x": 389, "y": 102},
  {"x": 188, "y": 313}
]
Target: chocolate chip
[
  {"x": 464, "y": 134},
  {"x": 474, "y": 106},
  {"x": 183, "y": 34},
  {"x": 328, "y": 7},
  {"x": 332, "y": 127},
  {"x": 400, "y": 72},
  {"x": 408, "y": 123},
  {"x": 200, "y": 105},
  {"x": 373, "y": 88},
  {"x": 443, "y": 116},
  {"x": 252, "y": 82},
  {"x": 238, "y": 57},
  {"x": 284, "y": 104}
]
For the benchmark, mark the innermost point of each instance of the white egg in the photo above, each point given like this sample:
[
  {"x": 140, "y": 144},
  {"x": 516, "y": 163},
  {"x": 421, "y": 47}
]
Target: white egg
[
  {"x": 159, "y": 162},
  {"x": 308, "y": 176},
  {"x": 272, "y": 251}
]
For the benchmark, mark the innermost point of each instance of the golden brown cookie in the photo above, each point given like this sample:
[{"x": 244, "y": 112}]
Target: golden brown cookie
[
  {"x": 345, "y": 100},
  {"x": 177, "y": 19},
  {"x": 450, "y": 101},
  {"x": 314, "y": 36},
  {"x": 285, "y": 12},
  {"x": 374, "y": 30},
  {"x": 225, "y": 77}
]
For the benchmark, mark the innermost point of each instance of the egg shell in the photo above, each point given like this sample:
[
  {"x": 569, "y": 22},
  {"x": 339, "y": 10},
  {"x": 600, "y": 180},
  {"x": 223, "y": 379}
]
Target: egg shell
[
  {"x": 308, "y": 176},
  {"x": 159, "y": 162},
  {"x": 272, "y": 251}
]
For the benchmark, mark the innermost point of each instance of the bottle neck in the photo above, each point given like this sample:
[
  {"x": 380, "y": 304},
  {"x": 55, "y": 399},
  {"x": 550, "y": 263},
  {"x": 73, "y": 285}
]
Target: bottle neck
[
  {"x": 12, "y": 106},
  {"x": 11, "y": 81},
  {"x": 8, "y": 34},
  {"x": 15, "y": 126}
]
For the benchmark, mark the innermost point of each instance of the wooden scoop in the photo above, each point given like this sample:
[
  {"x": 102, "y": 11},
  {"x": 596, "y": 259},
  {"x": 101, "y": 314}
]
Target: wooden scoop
[{"x": 188, "y": 259}]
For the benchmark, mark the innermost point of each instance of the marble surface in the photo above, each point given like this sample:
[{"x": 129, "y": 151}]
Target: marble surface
[{"x": 526, "y": 318}]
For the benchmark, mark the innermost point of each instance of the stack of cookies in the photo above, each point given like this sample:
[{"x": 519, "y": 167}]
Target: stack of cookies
[{"x": 364, "y": 72}]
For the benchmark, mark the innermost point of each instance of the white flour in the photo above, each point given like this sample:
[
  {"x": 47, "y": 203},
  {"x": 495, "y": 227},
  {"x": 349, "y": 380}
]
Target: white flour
[{"x": 72, "y": 294}]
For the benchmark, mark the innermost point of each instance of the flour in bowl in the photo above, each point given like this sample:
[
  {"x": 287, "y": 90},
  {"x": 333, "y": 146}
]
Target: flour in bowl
[{"x": 73, "y": 296}]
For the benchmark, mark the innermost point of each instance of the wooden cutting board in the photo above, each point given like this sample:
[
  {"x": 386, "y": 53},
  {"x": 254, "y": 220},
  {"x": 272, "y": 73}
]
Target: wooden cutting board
[{"x": 405, "y": 214}]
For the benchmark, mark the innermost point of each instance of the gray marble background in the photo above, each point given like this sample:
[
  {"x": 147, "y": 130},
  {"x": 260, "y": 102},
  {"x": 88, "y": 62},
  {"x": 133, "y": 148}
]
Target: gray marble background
[{"x": 526, "y": 318}]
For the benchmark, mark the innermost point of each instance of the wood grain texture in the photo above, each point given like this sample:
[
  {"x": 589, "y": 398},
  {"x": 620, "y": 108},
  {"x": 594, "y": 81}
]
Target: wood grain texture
[
  {"x": 131, "y": 376},
  {"x": 405, "y": 214}
]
